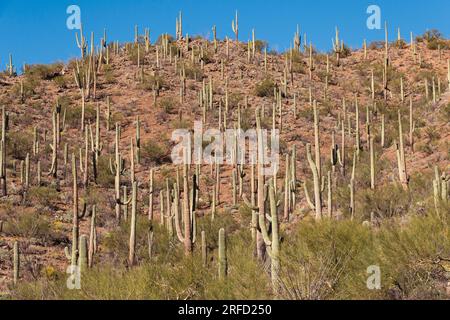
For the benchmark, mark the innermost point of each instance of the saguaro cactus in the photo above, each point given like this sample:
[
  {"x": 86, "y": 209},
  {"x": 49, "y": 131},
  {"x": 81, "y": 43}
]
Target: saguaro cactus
[
  {"x": 16, "y": 263},
  {"x": 372, "y": 163},
  {"x": 297, "y": 40},
  {"x": 189, "y": 236},
  {"x": 138, "y": 141},
  {"x": 261, "y": 250},
  {"x": 132, "y": 249},
  {"x": 317, "y": 205},
  {"x": 274, "y": 242},
  {"x": 5, "y": 118},
  {"x": 10, "y": 66},
  {"x": 440, "y": 189},
  {"x": 412, "y": 125},
  {"x": 235, "y": 26},
  {"x": 448, "y": 72},
  {"x": 81, "y": 42},
  {"x": 76, "y": 215},
  {"x": 117, "y": 169},
  {"x": 83, "y": 253},
  {"x": 223, "y": 263},
  {"x": 92, "y": 237},
  {"x": 55, "y": 143},
  {"x": 151, "y": 192},
  {"x": 337, "y": 46},
  {"x": 401, "y": 160},
  {"x": 317, "y": 140},
  {"x": 179, "y": 26}
]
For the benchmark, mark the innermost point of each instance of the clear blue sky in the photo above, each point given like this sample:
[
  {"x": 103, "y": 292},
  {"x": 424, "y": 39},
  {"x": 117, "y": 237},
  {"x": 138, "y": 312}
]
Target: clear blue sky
[{"x": 35, "y": 31}]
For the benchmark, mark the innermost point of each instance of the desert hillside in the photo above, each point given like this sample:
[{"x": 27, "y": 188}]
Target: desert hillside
[{"x": 363, "y": 177}]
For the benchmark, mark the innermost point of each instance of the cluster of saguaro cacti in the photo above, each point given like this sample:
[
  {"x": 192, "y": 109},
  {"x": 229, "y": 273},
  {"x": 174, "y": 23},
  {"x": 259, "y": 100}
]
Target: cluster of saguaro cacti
[
  {"x": 267, "y": 239},
  {"x": 179, "y": 201}
]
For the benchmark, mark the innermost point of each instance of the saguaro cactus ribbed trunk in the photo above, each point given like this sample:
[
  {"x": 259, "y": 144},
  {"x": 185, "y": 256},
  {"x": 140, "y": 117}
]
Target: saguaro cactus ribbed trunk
[
  {"x": 76, "y": 214},
  {"x": 132, "y": 248},
  {"x": 223, "y": 263},
  {"x": 189, "y": 236},
  {"x": 401, "y": 160}
]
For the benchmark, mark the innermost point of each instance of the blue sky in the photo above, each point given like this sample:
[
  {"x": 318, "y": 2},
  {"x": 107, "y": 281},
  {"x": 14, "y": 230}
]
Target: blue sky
[{"x": 35, "y": 31}]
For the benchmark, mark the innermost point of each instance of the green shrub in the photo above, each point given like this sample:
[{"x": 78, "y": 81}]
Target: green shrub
[
  {"x": 73, "y": 115},
  {"x": 61, "y": 81},
  {"x": 191, "y": 71},
  {"x": 133, "y": 54},
  {"x": 387, "y": 201},
  {"x": 45, "y": 196},
  {"x": 27, "y": 223},
  {"x": 104, "y": 176},
  {"x": 156, "y": 151},
  {"x": 265, "y": 88},
  {"x": 168, "y": 105},
  {"x": 117, "y": 242},
  {"x": 260, "y": 45},
  {"x": 19, "y": 144},
  {"x": 110, "y": 77},
  {"x": 321, "y": 260},
  {"x": 152, "y": 82},
  {"x": 445, "y": 112},
  {"x": 29, "y": 86},
  {"x": 44, "y": 72},
  {"x": 400, "y": 44}
]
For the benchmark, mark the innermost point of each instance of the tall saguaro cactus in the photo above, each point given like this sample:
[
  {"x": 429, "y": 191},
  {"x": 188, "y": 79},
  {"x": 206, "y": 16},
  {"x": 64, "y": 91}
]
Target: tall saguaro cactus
[
  {"x": 337, "y": 47},
  {"x": 56, "y": 141},
  {"x": 223, "y": 263},
  {"x": 274, "y": 242},
  {"x": 132, "y": 248},
  {"x": 317, "y": 205},
  {"x": 117, "y": 169},
  {"x": 77, "y": 216},
  {"x": 235, "y": 26},
  {"x": 401, "y": 160},
  {"x": 10, "y": 66},
  {"x": 188, "y": 207},
  {"x": 81, "y": 42},
  {"x": 179, "y": 26},
  {"x": 448, "y": 72},
  {"x": 261, "y": 198},
  {"x": 5, "y": 118},
  {"x": 16, "y": 263}
]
